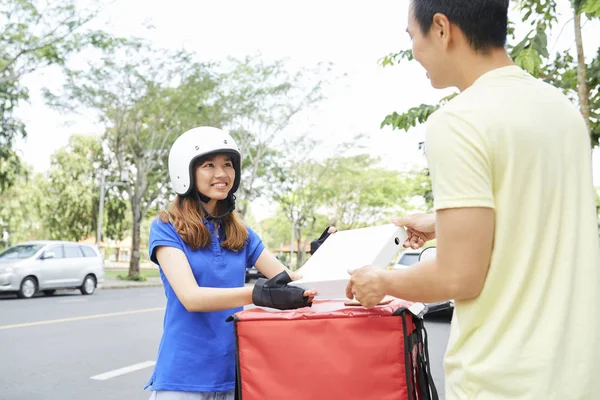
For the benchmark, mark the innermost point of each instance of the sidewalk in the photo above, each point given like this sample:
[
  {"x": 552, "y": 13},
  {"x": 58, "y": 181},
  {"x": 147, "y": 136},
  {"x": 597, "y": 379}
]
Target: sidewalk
[
  {"x": 125, "y": 265},
  {"x": 122, "y": 284}
]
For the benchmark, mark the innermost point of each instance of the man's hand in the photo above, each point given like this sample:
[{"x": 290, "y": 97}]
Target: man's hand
[
  {"x": 419, "y": 227},
  {"x": 367, "y": 286}
]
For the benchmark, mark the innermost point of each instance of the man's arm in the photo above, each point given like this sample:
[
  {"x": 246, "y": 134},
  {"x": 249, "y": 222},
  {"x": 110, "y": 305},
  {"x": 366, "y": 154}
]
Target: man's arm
[
  {"x": 458, "y": 155},
  {"x": 465, "y": 241}
]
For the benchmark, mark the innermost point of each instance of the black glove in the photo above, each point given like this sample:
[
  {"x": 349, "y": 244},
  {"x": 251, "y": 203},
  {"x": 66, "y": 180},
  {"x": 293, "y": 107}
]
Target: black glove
[
  {"x": 315, "y": 244},
  {"x": 275, "y": 293}
]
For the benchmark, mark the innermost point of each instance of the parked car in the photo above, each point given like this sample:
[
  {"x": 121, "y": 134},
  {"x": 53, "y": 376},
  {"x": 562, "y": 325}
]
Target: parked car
[
  {"x": 408, "y": 258},
  {"x": 31, "y": 267},
  {"x": 253, "y": 273}
]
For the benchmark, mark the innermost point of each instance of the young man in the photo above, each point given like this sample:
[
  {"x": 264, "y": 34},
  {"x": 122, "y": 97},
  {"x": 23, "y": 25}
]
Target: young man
[{"x": 515, "y": 219}]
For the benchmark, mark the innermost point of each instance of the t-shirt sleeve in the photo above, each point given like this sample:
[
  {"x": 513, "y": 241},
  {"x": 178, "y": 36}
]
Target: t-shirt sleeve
[
  {"x": 163, "y": 234},
  {"x": 255, "y": 247},
  {"x": 459, "y": 163}
]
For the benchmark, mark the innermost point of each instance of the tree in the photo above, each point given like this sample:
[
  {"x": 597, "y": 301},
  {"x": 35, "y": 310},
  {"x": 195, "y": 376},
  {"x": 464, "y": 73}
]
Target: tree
[
  {"x": 69, "y": 205},
  {"x": 598, "y": 206},
  {"x": 592, "y": 9},
  {"x": 145, "y": 98},
  {"x": 419, "y": 185},
  {"x": 296, "y": 187},
  {"x": 259, "y": 100},
  {"x": 358, "y": 193},
  {"x": 19, "y": 209},
  {"x": 276, "y": 232},
  {"x": 33, "y": 35},
  {"x": 345, "y": 191},
  {"x": 531, "y": 53}
]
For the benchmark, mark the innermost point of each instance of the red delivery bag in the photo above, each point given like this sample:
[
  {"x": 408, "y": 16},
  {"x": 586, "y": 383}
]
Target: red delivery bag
[{"x": 331, "y": 351}]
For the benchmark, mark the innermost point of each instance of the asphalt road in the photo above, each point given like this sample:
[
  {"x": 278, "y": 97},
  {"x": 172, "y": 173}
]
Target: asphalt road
[{"x": 69, "y": 346}]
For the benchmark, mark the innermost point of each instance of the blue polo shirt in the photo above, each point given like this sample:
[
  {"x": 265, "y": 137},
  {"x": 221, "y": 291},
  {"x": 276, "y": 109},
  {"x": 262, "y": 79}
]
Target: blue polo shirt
[{"x": 197, "y": 349}]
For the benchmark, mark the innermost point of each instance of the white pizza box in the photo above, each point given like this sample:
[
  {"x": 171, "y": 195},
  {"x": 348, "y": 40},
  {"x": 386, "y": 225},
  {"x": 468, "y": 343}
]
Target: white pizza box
[{"x": 327, "y": 270}]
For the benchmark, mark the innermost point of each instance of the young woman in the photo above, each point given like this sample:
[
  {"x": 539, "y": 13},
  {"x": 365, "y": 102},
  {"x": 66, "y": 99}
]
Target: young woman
[{"x": 203, "y": 249}]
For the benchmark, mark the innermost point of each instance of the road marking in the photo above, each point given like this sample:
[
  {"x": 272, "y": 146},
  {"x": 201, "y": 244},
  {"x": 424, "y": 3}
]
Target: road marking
[
  {"x": 85, "y": 317},
  {"x": 122, "y": 371}
]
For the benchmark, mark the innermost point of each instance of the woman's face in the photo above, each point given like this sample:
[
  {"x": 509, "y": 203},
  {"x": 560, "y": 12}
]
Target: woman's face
[{"x": 215, "y": 177}]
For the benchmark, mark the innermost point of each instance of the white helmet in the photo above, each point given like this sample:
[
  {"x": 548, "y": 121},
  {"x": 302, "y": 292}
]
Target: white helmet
[{"x": 199, "y": 143}]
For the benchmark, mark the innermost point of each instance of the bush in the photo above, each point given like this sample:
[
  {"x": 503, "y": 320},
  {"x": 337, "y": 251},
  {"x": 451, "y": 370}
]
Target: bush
[{"x": 138, "y": 278}]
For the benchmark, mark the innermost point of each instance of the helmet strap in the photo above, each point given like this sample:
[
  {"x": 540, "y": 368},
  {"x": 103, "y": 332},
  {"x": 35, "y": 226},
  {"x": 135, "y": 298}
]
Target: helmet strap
[
  {"x": 203, "y": 198},
  {"x": 231, "y": 206}
]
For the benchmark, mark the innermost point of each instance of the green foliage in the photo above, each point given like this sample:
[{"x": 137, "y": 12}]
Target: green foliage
[
  {"x": 414, "y": 116},
  {"x": 116, "y": 220},
  {"x": 70, "y": 198},
  {"x": 528, "y": 53},
  {"x": 562, "y": 73},
  {"x": 531, "y": 54},
  {"x": 10, "y": 167},
  {"x": 345, "y": 191},
  {"x": 419, "y": 182},
  {"x": 395, "y": 58},
  {"x": 358, "y": 193},
  {"x": 276, "y": 230},
  {"x": 259, "y": 100},
  {"x": 34, "y": 34},
  {"x": 296, "y": 187},
  {"x": 19, "y": 210},
  {"x": 147, "y": 98},
  {"x": 589, "y": 7},
  {"x": 593, "y": 81},
  {"x": 539, "y": 13},
  {"x": 411, "y": 118},
  {"x": 135, "y": 278}
]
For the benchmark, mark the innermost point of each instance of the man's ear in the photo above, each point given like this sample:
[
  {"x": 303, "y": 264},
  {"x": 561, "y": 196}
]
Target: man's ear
[{"x": 441, "y": 29}]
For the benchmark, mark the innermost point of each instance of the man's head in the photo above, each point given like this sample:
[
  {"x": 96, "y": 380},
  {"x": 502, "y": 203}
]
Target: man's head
[{"x": 443, "y": 32}]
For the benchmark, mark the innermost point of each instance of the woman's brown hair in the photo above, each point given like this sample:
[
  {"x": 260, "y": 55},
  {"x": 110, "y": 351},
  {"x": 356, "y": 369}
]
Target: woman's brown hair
[{"x": 187, "y": 217}]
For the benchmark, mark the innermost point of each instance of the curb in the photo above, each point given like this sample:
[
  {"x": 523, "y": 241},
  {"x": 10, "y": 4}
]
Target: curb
[{"x": 129, "y": 285}]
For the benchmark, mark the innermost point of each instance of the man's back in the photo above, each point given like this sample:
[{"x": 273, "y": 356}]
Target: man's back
[{"x": 532, "y": 333}]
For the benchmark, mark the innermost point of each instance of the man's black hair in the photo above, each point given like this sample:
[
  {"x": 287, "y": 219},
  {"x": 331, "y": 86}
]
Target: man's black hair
[{"x": 484, "y": 22}]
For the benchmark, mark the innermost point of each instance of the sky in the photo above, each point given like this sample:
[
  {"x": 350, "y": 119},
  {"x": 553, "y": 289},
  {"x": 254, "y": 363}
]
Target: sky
[{"x": 352, "y": 35}]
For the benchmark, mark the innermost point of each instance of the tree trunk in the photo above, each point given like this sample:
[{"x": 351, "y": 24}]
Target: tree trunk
[
  {"x": 242, "y": 205},
  {"x": 134, "y": 262},
  {"x": 300, "y": 254},
  {"x": 136, "y": 209},
  {"x": 309, "y": 236},
  {"x": 582, "y": 88},
  {"x": 246, "y": 191}
]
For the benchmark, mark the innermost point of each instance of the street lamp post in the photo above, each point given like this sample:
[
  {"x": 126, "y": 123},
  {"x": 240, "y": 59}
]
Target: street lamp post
[{"x": 100, "y": 211}]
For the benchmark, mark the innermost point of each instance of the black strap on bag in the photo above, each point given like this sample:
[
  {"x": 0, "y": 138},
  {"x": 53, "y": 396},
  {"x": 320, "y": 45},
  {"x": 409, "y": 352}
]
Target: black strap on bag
[
  {"x": 418, "y": 372},
  {"x": 428, "y": 388},
  {"x": 238, "y": 377}
]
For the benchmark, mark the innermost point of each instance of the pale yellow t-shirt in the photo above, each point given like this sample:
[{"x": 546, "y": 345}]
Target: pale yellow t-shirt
[{"x": 517, "y": 145}]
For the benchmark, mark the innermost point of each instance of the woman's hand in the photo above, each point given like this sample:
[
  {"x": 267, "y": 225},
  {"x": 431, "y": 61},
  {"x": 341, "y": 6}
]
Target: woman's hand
[{"x": 308, "y": 293}]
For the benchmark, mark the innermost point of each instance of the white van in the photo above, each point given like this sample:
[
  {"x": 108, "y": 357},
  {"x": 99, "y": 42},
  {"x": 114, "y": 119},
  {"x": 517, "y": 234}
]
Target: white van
[{"x": 45, "y": 266}]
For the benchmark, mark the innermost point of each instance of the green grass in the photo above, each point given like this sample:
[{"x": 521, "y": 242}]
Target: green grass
[{"x": 122, "y": 273}]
